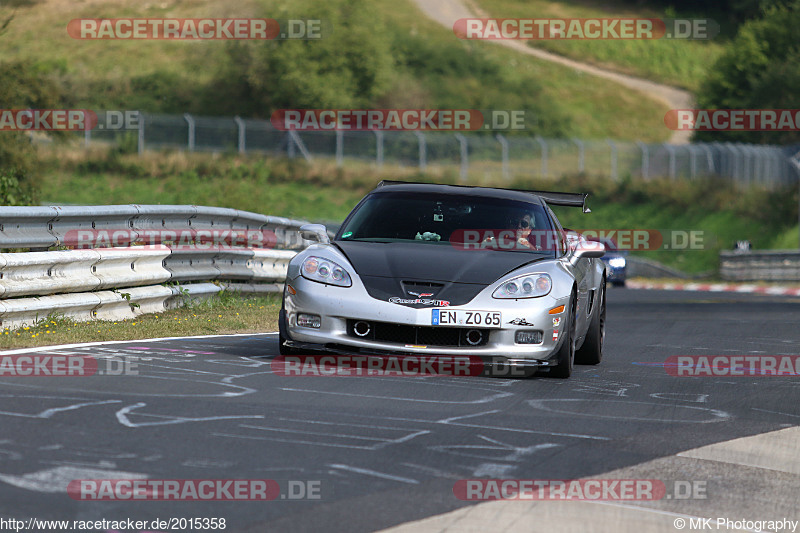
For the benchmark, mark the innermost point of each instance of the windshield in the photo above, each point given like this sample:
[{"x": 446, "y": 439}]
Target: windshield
[{"x": 468, "y": 222}]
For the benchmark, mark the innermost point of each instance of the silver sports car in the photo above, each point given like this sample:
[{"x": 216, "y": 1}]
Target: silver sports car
[{"x": 450, "y": 270}]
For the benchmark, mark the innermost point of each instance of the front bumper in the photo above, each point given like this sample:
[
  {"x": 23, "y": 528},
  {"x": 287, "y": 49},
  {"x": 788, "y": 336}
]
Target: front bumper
[{"x": 337, "y": 305}]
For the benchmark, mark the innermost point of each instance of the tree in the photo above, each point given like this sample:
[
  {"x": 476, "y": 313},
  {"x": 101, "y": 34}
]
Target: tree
[
  {"x": 21, "y": 87},
  {"x": 759, "y": 70},
  {"x": 348, "y": 67}
]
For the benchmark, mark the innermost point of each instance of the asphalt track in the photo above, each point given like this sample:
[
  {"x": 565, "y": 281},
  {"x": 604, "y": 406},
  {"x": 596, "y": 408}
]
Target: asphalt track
[{"x": 387, "y": 451}]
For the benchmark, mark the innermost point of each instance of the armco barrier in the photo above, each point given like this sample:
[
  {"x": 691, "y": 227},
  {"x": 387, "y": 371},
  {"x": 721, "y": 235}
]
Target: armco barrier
[
  {"x": 123, "y": 282},
  {"x": 192, "y": 264},
  {"x": 21, "y": 311},
  {"x": 131, "y": 267},
  {"x": 760, "y": 266},
  {"x": 44, "y": 227},
  {"x": 45, "y": 273},
  {"x": 26, "y": 227},
  {"x": 269, "y": 265}
]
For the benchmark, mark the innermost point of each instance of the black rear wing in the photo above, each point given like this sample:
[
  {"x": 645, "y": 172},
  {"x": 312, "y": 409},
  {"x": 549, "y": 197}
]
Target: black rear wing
[{"x": 564, "y": 199}]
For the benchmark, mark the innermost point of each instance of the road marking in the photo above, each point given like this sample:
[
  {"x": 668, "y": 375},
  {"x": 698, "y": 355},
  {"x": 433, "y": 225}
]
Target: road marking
[
  {"x": 374, "y": 473},
  {"x": 55, "y": 480},
  {"x": 719, "y": 415},
  {"x": 485, "y": 399},
  {"x": 106, "y": 343}
]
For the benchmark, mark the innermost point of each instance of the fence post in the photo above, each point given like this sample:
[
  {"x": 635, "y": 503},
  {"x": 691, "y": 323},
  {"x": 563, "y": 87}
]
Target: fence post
[
  {"x": 581, "y": 155},
  {"x": 504, "y": 150},
  {"x": 735, "y": 153},
  {"x": 692, "y": 161},
  {"x": 189, "y": 120},
  {"x": 613, "y": 146},
  {"x": 87, "y": 135},
  {"x": 671, "y": 150},
  {"x": 709, "y": 158},
  {"x": 423, "y": 152},
  {"x": 242, "y": 140},
  {"x": 462, "y": 141},
  {"x": 295, "y": 140},
  {"x": 747, "y": 164},
  {"x": 291, "y": 148},
  {"x": 543, "y": 144},
  {"x": 645, "y": 159},
  {"x": 795, "y": 161},
  {"x": 140, "y": 139},
  {"x": 378, "y": 147},
  {"x": 339, "y": 147}
]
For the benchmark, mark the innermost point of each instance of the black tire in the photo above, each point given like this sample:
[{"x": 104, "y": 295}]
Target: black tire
[
  {"x": 282, "y": 348},
  {"x": 620, "y": 283},
  {"x": 591, "y": 353},
  {"x": 566, "y": 354}
]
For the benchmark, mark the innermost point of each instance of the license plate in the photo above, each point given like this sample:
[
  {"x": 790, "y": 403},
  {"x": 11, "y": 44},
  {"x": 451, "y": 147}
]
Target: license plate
[{"x": 459, "y": 317}]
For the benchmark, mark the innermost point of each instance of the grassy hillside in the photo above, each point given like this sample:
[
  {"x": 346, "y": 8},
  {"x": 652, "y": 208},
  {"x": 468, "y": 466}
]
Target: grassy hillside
[
  {"x": 431, "y": 67},
  {"x": 681, "y": 63}
]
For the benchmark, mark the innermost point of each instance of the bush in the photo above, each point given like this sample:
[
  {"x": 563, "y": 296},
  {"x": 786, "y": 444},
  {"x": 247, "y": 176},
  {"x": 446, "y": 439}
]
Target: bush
[
  {"x": 348, "y": 68},
  {"x": 760, "y": 70},
  {"x": 21, "y": 87}
]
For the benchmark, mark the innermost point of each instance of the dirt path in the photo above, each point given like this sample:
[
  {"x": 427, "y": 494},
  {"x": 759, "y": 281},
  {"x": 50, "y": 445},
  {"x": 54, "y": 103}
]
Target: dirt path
[{"x": 446, "y": 12}]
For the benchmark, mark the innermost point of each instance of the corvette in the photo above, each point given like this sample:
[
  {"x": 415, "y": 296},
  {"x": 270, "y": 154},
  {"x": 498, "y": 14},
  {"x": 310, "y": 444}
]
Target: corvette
[{"x": 450, "y": 270}]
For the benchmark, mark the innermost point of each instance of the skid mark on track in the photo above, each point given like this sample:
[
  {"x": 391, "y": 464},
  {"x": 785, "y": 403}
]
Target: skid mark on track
[
  {"x": 583, "y": 407},
  {"x": 165, "y": 420}
]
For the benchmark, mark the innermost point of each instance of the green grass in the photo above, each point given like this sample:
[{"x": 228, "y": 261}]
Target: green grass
[
  {"x": 719, "y": 230},
  {"x": 225, "y": 313},
  {"x": 434, "y": 69},
  {"x": 682, "y": 63}
]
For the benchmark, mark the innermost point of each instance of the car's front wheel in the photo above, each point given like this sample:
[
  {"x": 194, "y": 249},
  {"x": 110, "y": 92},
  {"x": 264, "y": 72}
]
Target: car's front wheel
[
  {"x": 282, "y": 348},
  {"x": 591, "y": 353},
  {"x": 566, "y": 354}
]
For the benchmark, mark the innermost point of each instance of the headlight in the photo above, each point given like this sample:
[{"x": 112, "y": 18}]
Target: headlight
[
  {"x": 527, "y": 286},
  {"x": 617, "y": 262},
  {"x": 325, "y": 271}
]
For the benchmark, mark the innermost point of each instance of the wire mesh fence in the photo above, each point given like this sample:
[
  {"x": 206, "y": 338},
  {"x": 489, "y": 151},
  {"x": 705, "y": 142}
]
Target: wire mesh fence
[{"x": 472, "y": 155}]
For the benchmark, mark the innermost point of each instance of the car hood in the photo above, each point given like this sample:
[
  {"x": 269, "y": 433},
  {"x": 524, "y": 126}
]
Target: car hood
[{"x": 448, "y": 274}]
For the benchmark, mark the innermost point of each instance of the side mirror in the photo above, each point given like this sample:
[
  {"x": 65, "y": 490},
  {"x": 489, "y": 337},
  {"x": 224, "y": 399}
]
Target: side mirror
[
  {"x": 315, "y": 232},
  {"x": 589, "y": 249}
]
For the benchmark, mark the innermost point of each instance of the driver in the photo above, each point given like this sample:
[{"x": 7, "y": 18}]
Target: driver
[{"x": 522, "y": 226}]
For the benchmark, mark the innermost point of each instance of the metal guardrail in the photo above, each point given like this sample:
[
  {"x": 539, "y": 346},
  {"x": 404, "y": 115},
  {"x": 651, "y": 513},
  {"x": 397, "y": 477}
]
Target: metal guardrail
[
  {"x": 47, "y": 226},
  {"x": 76, "y": 282},
  {"x": 760, "y": 266}
]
